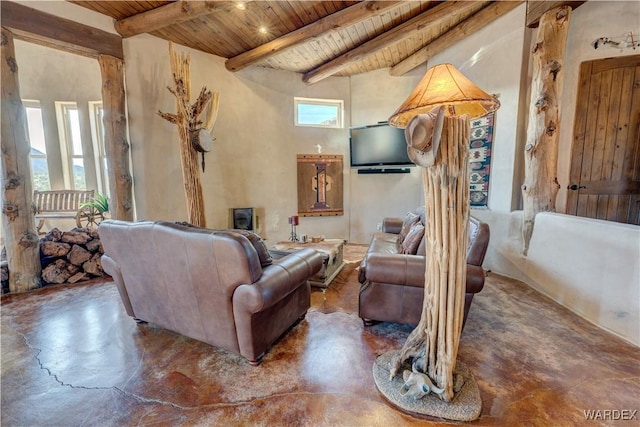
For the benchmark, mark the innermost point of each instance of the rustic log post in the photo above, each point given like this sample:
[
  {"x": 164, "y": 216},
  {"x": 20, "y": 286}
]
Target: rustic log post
[
  {"x": 18, "y": 220},
  {"x": 541, "y": 186},
  {"x": 446, "y": 187},
  {"x": 115, "y": 132},
  {"x": 187, "y": 118}
]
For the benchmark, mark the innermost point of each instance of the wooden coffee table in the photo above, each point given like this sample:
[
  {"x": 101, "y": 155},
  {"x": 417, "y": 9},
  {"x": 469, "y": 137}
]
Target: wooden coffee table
[{"x": 331, "y": 250}]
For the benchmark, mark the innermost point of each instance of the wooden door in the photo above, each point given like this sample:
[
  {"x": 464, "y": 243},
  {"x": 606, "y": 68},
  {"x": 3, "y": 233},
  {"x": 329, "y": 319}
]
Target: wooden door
[{"x": 605, "y": 157}]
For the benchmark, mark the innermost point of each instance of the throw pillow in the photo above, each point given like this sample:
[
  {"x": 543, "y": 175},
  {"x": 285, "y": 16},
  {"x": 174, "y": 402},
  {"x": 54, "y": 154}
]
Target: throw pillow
[
  {"x": 412, "y": 241},
  {"x": 407, "y": 223},
  {"x": 260, "y": 247}
]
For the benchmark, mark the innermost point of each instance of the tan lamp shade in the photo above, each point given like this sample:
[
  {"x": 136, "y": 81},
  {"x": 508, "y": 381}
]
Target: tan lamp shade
[{"x": 444, "y": 85}]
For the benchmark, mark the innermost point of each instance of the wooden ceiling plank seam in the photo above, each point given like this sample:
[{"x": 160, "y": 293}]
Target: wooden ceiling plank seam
[
  {"x": 275, "y": 22},
  {"x": 329, "y": 23},
  {"x": 457, "y": 33},
  {"x": 306, "y": 9},
  {"x": 64, "y": 34},
  {"x": 245, "y": 29},
  {"x": 240, "y": 40},
  {"x": 291, "y": 15},
  {"x": 431, "y": 17},
  {"x": 187, "y": 35},
  {"x": 96, "y": 7},
  {"x": 300, "y": 12}
]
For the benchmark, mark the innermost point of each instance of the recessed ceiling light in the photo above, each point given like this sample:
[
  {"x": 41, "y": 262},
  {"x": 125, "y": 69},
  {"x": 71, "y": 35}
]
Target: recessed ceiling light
[
  {"x": 241, "y": 6},
  {"x": 263, "y": 30}
]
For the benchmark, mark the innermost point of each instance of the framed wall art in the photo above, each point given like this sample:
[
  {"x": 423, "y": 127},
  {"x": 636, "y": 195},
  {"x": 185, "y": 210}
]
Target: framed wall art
[{"x": 320, "y": 185}]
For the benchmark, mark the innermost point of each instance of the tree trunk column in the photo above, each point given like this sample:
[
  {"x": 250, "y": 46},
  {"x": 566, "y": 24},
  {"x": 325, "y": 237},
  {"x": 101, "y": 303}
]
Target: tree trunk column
[
  {"x": 18, "y": 221},
  {"x": 115, "y": 132},
  {"x": 541, "y": 186},
  {"x": 446, "y": 186}
]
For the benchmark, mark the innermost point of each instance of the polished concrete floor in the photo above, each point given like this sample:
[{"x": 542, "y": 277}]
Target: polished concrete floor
[{"x": 71, "y": 357}]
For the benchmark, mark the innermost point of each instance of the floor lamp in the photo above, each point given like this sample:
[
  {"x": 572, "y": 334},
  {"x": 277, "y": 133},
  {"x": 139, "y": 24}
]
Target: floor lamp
[{"x": 436, "y": 120}]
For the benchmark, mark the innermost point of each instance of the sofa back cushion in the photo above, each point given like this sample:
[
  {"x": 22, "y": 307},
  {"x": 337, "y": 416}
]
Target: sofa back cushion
[
  {"x": 412, "y": 240},
  {"x": 407, "y": 223},
  {"x": 477, "y": 244}
]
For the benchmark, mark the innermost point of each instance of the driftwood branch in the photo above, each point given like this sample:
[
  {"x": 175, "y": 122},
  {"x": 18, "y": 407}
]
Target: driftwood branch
[{"x": 169, "y": 117}]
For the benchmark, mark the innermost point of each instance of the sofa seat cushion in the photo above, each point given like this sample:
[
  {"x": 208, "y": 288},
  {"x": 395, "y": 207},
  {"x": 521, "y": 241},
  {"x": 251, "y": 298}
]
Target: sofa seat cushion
[{"x": 385, "y": 243}]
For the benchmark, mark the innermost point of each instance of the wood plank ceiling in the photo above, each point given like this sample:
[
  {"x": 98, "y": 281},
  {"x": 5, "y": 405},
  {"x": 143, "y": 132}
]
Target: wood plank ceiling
[{"x": 315, "y": 38}]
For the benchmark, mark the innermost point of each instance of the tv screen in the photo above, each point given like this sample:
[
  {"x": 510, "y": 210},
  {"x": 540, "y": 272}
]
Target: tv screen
[{"x": 378, "y": 145}]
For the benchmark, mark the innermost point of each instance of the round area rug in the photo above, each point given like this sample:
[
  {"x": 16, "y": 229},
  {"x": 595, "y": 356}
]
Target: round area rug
[{"x": 466, "y": 404}]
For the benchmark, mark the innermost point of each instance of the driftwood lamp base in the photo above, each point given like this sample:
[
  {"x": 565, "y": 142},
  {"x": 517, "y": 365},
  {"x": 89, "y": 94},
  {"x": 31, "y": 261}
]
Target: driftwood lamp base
[{"x": 465, "y": 406}]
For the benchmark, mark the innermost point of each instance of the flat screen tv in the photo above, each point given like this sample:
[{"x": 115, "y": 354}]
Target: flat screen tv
[{"x": 378, "y": 145}]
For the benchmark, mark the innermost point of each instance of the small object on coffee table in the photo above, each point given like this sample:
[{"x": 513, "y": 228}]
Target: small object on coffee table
[{"x": 331, "y": 249}]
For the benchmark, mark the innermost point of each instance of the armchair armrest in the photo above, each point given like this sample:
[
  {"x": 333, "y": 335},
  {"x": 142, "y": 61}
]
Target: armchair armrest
[
  {"x": 277, "y": 281},
  {"x": 392, "y": 225}
]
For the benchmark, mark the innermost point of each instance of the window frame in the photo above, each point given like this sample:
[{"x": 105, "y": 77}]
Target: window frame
[
  {"x": 66, "y": 143},
  {"x": 96, "y": 109},
  {"x": 35, "y": 104},
  {"x": 338, "y": 103}
]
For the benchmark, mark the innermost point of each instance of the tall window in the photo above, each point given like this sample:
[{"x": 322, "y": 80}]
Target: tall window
[
  {"x": 38, "y": 153},
  {"x": 97, "y": 131},
  {"x": 71, "y": 143},
  {"x": 326, "y": 113}
]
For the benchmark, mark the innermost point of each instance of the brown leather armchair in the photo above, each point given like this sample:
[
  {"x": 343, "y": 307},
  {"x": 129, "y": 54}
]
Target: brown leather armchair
[
  {"x": 219, "y": 287},
  {"x": 393, "y": 283}
]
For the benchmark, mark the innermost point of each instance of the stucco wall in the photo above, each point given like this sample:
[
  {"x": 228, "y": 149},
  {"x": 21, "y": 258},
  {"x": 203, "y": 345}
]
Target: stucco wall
[{"x": 253, "y": 162}]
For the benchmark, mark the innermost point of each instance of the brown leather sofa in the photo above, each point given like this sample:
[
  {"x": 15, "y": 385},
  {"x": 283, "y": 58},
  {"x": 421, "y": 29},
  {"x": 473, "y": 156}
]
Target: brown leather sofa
[
  {"x": 219, "y": 287},
  {"x": 392, "y": 287}
]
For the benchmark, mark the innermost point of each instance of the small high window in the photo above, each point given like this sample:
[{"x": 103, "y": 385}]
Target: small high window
[{"x": 325, "y": 113}]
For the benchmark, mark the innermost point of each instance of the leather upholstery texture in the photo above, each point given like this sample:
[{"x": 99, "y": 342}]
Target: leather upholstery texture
[
  {"x": 209, "y": 285},
  {"x": 392, "y": 287}
]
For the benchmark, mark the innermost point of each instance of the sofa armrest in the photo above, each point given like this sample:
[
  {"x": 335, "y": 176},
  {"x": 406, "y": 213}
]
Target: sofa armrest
[
  {"x": 475, "y": 278},
  {"x": 278, "y": 280},
  {"x": 112, "y": 269},
  {"x": 392, "y": 225},
  {"x": 406, "y": 270}
]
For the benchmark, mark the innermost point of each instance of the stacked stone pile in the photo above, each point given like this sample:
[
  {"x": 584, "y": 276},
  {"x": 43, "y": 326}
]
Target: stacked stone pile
[{"x": 70, "y": 256}]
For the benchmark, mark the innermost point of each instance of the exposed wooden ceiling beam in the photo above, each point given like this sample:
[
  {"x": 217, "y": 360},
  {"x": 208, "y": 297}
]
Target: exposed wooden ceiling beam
[
  {"x": 535, "y": 9},
  {"x": 48, "y": 30},
  {"x": 467, "y": 27},
  {"x": 431, "y": 17},
  {"x": 343, "y": 18},
  {"x": 169, "y": 14}
]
